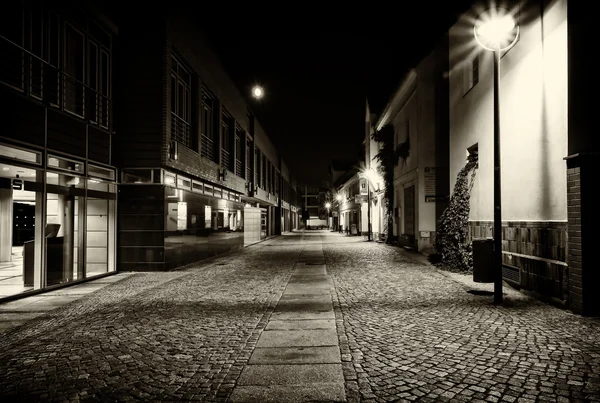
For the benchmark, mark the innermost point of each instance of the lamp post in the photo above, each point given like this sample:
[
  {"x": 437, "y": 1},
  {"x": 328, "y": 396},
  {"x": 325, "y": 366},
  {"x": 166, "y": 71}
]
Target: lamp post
[
  {"x": 496, "y": 30},
  {"x": 368, "y": 210},
  {"x": 327, "y": 206},
  {"x": 372, "y": 178},
  {"x": 338, "y": 197}
]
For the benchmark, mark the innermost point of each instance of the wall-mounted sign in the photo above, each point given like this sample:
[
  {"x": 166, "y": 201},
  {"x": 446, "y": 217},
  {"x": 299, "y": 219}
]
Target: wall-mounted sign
[
  {"x": 360, "y": 199},
  {"x": 432, "y": 176},
  {"x": 363, "y": 186},
  {"x": 17, "y": 184}
]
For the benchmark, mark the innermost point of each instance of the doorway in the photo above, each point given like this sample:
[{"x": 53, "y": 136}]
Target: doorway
[{"x": 409, "y": 214}]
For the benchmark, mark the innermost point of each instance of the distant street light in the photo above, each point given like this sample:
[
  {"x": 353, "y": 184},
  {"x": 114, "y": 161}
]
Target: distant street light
[
  {"x": 496, "y": 30},
  {"x": 258, "y": 92},
  {"x": 373, "y": 179},
  {"x": 338, "y": 197},
  {"x": 327, "y": 206}
]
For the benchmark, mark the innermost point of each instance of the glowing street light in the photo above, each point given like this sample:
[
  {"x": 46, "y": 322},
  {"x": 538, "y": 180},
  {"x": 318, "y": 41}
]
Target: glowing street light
[
  {"x": 327, "y": 206},
  {"x": 373, "y": 178},
  {"x": 496, "y": 30},
  {"x": 258, "y": 92}
]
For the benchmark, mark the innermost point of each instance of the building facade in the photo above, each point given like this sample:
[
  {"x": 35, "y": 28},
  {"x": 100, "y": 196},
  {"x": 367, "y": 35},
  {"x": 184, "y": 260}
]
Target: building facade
[
  {"x": 314, "y": 211},
  {"x": 199, "y": 174},
  {"x": 58, "y": 187},
  {"x": 124, "y": 150},
  {"x": 544, "y": 120},
  {"x": 418, "y": 112}
]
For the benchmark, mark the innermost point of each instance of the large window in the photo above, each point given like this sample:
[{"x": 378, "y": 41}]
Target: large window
[
  {"x": 257, "y": 167},
  {"x": 181, "y": 99},
  {"x": 74, "y": 60},
  {"x": 208, "y": 126},
  {"x": 227, "y": 126},
  {"x": 239, "y": 151},
  {"x": 249, "y": 159},
  {"x": 65, "y": 64},
  {"x": 99, "y": 84}
]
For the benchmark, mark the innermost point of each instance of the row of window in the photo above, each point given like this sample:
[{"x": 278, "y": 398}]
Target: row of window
[
  {"x": 64, "y": 63},
  {"x": 225, "y": 142}
]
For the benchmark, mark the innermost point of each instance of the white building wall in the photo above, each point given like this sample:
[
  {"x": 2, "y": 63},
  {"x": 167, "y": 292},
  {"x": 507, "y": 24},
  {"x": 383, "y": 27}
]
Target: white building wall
[{"x": 533, "y": 118}]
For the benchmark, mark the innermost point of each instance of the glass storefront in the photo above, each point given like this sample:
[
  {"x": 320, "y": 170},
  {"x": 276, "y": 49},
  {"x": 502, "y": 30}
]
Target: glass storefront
[
  {"x": 198, "y": 226},
  {"x": 57, "y": 221}
]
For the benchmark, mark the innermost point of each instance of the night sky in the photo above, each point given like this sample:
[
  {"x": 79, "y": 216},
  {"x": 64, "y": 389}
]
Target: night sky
[{"x": 316, "y": 79}]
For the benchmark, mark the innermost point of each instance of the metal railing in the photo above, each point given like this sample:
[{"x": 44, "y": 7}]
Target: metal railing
[
  {"x": 38, "y": 79},
  {"x": 239, "y": 168},
  {"x": 225, "y": 159},
  {"x": 180, "y": 130},
  {"x": 206, "y": 147}
]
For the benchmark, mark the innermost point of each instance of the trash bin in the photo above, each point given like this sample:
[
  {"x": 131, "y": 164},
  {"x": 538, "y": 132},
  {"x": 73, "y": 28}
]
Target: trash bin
[{"x": 483, "y": 260}]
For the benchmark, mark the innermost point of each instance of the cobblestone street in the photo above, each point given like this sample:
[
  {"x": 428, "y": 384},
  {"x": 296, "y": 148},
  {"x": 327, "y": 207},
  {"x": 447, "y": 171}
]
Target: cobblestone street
[{"x": 406, "y": 332}]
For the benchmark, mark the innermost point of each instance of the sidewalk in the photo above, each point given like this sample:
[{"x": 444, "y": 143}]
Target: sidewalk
[
  {"x": 17, "y": 312},
  {"x": 297, "y": 356}
]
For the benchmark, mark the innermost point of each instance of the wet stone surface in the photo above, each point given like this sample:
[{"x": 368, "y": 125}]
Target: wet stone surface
[
  {"x": 406, "y": 332},
  {"x": 151, "y": 337},
  {"x": 409, "y": 332}
]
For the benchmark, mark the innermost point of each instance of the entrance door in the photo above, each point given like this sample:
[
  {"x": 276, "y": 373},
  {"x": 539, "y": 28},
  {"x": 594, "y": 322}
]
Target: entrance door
[{"x": 409, "y": 213}]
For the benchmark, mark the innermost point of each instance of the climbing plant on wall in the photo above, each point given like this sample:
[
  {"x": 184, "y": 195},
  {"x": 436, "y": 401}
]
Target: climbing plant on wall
[{"x": 453, "y": 229}]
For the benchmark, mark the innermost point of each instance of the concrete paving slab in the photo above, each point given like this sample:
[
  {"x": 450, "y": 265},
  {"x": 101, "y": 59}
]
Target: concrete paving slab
[
  {"x": 19, "y": 303},
  {"x": 307, "y": 288},
  {"x": 303, "y": 315},
  {"x": 292, "y": 374},
  {"x": 306, "y": 297},
  {"x": 297, "y": 338},
  {"x": 296, "y": 355},
  {"x": 308, "y": 269},
  {"x": 77, "y": 290},
  {"x": 300, "y": 324},
  {"x": 321, "y": 392},
  {"x": 309, "y": 277},
  {"x": 309, "y": 283},
  {"x": 322, "y": 304},
  {"x": 314, "y": 291}
]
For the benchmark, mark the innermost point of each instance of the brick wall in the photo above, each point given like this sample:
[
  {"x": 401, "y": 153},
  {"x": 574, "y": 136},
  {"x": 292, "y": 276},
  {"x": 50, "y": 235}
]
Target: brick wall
[
  {"x": 538, "y": 248},
  {"x": 584, "y": 219},
  {"x": 574, "y": 254}
]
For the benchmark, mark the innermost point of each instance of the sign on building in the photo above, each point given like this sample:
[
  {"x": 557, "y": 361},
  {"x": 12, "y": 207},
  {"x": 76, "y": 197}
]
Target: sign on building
[
  {"x": 432, "y": 175},
  {"x": 363, "y": 186}
]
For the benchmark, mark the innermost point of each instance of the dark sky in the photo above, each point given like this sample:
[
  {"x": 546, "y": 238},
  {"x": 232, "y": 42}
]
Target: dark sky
[{"x": 316, "y": 77}]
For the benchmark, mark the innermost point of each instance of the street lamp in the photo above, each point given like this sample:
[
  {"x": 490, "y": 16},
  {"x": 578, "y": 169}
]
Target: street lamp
[
  {"x": 338, "y": 197},
  {"x": 372, "y": 179},
  {"x": 258, "y": 92},
  {"x": 327, "y": 206},
  {"x": 496, "y": 30}
]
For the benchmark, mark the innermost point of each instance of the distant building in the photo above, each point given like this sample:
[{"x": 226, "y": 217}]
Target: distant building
[
  {"x": 200, "y": 175},
  {"x": 314, "y": 213},
  {"x": 418, "y": 112}
]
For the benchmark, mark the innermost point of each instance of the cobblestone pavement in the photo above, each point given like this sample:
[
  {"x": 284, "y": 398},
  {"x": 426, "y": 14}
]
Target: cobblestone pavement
[
  {"x": 175, "y": 336},
  {"x": 406, "y": 331},
  {"x": 409, "y": 332}
]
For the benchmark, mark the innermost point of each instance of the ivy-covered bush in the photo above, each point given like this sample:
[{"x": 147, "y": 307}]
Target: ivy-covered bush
[
  {"x": 453, "y": 229},
  {"x": 388, "y": 159}
]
